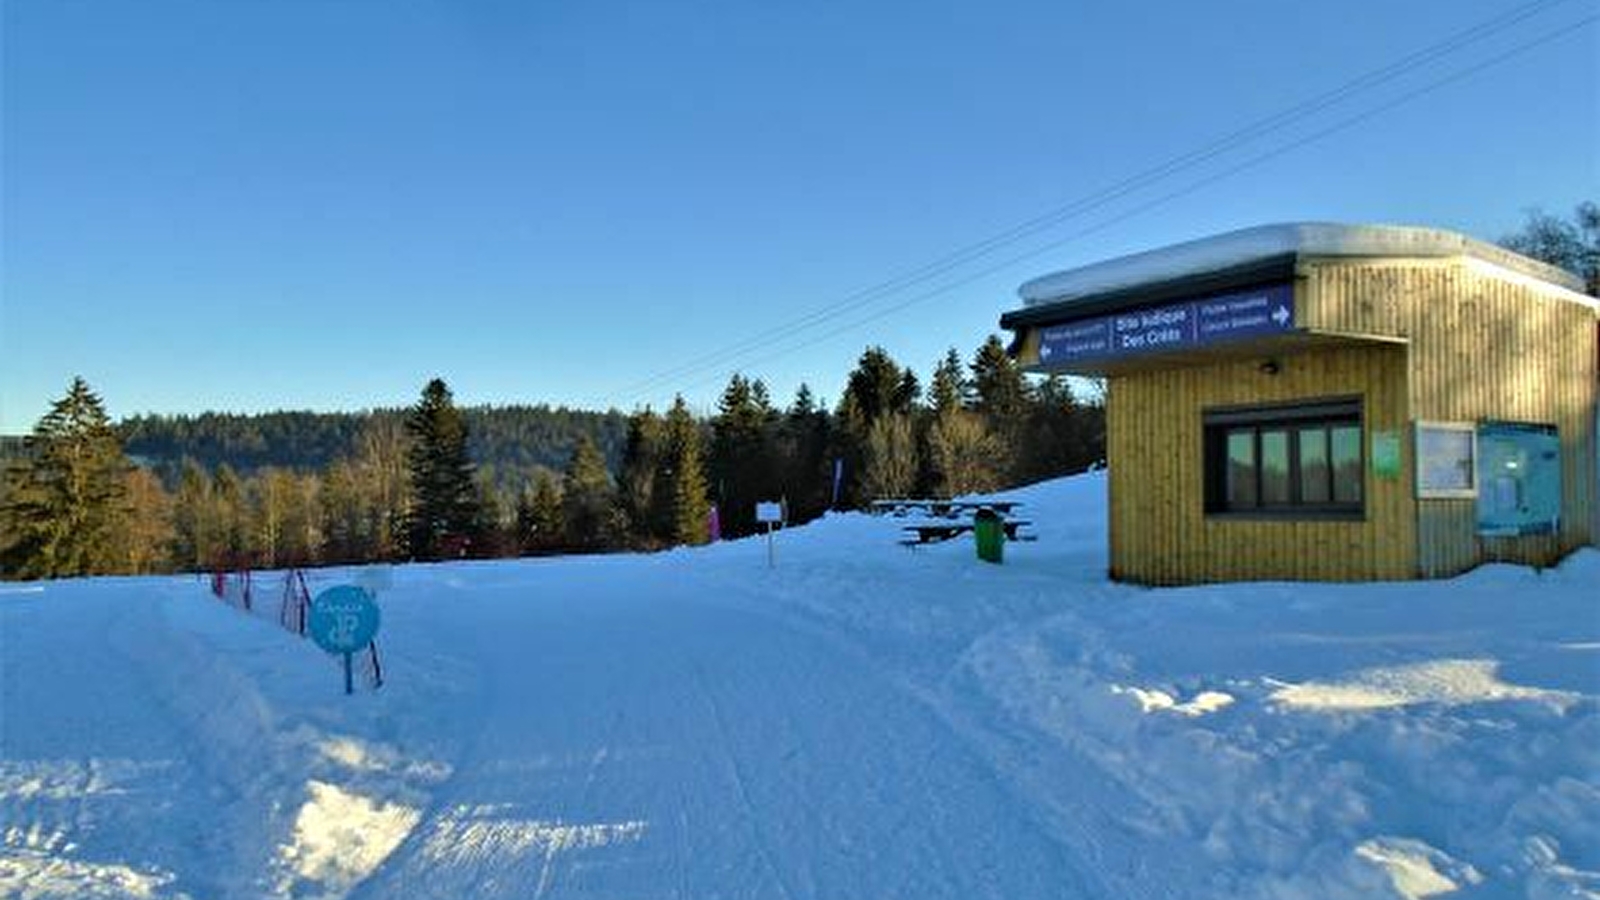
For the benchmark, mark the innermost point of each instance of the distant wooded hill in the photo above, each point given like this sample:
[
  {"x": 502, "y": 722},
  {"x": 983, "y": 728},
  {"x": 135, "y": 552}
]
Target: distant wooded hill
[{"x": 513, "y": 440}]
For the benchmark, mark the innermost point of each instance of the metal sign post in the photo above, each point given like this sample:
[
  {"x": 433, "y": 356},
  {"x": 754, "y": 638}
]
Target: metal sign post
[
  {"x": 770, "y": 514},
  {"x": 344, "y": 620}
]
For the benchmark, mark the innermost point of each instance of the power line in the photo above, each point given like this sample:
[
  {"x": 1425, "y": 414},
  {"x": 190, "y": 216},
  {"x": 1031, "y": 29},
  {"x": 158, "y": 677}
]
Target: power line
[
  {"x": 1102, "y": 197},
  {"x": 1173, "y": 195}
]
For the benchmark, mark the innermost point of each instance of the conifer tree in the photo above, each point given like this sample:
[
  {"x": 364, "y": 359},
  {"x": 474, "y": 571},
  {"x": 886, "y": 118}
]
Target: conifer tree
[
  {"x": 1001, "y": 393},
  {"x": 948, "y": 390},
  {"x": 636, "y": 488},
  {"x": 539, "y": 522},
  {"x": 1063, "y": 436},
  {"x": 586, "y": 497},
  {"x": 1002, "y": 397},
  {"x": 691, "y": 508},
  {"x": 741, "y": 464},
  {"x": 877, "y": 388},
  {"x": 804, "y": 458},
  {"x": 64, "y": 502},
  {"x": 492, "y": 529},
  {"x": 446, "y": 498}
]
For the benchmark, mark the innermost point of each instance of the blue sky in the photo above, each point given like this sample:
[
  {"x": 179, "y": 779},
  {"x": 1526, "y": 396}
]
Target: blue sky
[{"x": 252, "y": 205}]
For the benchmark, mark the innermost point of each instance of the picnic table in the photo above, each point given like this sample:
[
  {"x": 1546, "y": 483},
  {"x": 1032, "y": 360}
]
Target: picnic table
[
  {"x": 940, "y": 509},
  {"x": 936, "y": 532}
]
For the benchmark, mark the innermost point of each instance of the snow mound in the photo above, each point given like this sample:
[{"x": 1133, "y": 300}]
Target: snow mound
[
  {"x": 340, "y": 837},
  {"x": 1452, "y": 682},
  {"x": 1416, "y": 869},
  {"x": 1160, "y": 701}
]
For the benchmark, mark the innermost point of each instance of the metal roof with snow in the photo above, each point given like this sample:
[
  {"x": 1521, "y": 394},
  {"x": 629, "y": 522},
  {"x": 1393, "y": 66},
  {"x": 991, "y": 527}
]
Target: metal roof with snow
[{"x": 1264, "y": 251}]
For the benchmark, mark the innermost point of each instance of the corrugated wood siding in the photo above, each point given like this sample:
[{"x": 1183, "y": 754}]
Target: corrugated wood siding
[
  {"x": 1159, "y": 531},
  {"x": 1482, "y": 347}
]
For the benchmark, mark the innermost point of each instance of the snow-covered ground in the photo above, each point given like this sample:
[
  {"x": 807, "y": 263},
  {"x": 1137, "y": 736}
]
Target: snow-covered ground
[{"x": 862, "y": 721}]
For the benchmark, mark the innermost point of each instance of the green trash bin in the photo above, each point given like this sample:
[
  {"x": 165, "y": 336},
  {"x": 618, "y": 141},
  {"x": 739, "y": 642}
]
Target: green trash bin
[{"x": 990, "y": 531}]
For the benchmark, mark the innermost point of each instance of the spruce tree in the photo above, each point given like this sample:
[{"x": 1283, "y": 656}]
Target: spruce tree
[
  {"x": 539, "y": 520},
  {"x": 807, "y": 468},
  {"x": 64, "y": 503},
  {"x": 1063, "y": 436},
  {"x": 948, "y": 390},
  {"x": 446, "y": 498},
  {"x": 492, "y": 529},
  {"x": 691, "y": 508},
  {"x": 636, "y": 487},
  {"x": 1002, "y": 393},
  {"x": 586, "y": 497},
  {"x": 741, "y": 459},
  {"x": 1002, "y": 397},
  {"x": 878, "y": 386},
  {"x": 876, "y": 389}
]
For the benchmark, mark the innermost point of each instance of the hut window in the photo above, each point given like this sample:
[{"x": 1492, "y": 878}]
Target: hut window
[
  {"x": 1241, "y": 467},
  {"x": 1347, "y": 464},
  {"x": 1275, "y": 467},
  {"x": 1315, "y": 486},
  {"x": 1289, "y": 461}
]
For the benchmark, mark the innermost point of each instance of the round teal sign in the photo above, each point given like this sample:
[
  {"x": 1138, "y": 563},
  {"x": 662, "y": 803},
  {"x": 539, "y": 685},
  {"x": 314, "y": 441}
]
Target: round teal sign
[{"x": 343, "y": 619}]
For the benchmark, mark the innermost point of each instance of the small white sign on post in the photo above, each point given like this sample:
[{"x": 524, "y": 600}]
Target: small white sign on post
[{"x": 769, "y": 514}]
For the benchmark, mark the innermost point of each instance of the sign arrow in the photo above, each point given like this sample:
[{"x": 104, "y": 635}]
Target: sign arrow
[
  {"x": 1044, "y": 351},
  {"x": 1281, "y": 316}
]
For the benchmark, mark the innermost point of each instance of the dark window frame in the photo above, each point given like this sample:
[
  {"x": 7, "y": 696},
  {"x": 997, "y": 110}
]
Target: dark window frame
[{"x": 1292, "y": 419}]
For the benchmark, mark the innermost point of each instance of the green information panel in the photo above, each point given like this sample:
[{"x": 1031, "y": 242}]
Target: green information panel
[
  {"x": 1519, "y": 479},
  {"x": 1386, "y": 454}
]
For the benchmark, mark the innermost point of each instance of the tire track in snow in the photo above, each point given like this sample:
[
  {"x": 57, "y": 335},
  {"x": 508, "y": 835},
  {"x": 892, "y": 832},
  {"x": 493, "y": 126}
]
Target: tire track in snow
[
  {"x": 552, "y": 848},
  {"x": 1109, "y": 868},
  {"x": 724, "y": 744}
]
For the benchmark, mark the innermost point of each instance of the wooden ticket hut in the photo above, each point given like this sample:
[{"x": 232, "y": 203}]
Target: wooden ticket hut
[{"x": 1331, "y": 402}]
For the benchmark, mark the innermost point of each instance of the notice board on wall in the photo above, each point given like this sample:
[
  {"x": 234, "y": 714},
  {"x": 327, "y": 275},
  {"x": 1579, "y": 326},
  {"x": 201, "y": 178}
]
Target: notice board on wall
[
  {"x": 1520, "y": 473},
  {"x": 1447, "y": 460}
]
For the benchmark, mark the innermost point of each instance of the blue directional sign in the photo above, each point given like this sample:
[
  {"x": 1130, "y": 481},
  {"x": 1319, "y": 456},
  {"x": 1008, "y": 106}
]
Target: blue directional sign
[
  {"x": 343, "y": 619},
  {"x": 1172, "y": 326}
]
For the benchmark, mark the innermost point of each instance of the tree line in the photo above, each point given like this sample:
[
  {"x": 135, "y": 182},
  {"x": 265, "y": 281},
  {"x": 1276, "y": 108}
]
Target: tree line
[
  {"x": 84, "y": 496},
  {"x": 513, "y": 441}
]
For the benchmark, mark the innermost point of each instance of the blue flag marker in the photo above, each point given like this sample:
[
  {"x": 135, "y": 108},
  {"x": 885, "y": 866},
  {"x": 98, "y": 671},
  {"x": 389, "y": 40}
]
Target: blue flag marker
[{"x": 343, "y": 620}]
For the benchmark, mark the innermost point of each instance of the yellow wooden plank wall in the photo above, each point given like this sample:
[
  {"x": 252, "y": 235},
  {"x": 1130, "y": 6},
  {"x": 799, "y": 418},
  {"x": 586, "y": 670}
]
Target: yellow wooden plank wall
[
  {"x": 1159, "y": 531},
  {"x": 1483, "y": 346}
]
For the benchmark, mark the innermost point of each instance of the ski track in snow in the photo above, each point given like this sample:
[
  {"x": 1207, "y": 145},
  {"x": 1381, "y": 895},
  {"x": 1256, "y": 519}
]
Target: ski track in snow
[{"x": 861, "y": 721}]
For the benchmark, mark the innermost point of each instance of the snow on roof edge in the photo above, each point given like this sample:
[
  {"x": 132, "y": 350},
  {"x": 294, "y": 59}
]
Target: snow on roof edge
[{"x": 1247, "y": 245}]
